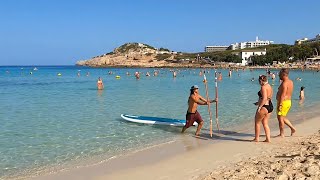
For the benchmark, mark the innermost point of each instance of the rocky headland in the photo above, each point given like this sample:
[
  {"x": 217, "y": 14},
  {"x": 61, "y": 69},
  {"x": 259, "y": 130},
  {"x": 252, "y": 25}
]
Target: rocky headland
[
  {"x": 138, "y": 55},
  {"x": 143, "y": 55}
]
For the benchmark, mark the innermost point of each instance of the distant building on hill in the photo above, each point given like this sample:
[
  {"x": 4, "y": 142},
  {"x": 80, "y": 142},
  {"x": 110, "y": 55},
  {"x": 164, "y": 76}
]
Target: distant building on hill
[
  {"x": 246, "y": 55},
  {"x": 306, "y": 40},
  {"x": 215, "y": 48},
  {"x": 250, "y": 44}
]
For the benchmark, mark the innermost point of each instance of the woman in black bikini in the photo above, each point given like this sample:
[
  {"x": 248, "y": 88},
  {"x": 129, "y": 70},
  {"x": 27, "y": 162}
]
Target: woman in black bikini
[{"x": 265, "y": 108}]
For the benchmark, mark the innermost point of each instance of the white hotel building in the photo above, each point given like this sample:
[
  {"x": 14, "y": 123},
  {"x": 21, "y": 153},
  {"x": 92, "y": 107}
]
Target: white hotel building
[
  {"x": 306, "y": 40},
  {"x": 215, "y": 48},
  {"x": 246, "y": 55},
  {"x": 250, "y": 44}
]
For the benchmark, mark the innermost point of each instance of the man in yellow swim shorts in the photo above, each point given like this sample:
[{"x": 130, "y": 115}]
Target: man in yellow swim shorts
[
  {"x": 284, "y": 107},
  {"x": 284, "y": 101}
]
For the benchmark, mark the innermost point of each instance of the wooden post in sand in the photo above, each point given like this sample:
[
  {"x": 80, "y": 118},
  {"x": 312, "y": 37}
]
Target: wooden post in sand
[
  {"x": 208, "y": 100},
  {"x": 216, "y": 81}
]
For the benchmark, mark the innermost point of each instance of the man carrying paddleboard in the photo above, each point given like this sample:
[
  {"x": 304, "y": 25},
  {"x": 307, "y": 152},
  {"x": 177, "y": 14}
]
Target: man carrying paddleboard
[{"x": 192, "y": 113}]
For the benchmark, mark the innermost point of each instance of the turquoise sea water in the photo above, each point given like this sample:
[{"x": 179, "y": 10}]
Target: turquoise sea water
[{"x": 49, "y": 121}]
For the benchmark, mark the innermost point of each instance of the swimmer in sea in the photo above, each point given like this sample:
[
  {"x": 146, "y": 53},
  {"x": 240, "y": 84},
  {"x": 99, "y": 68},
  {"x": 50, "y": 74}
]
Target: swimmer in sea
[{"x": 100, "y": 84}]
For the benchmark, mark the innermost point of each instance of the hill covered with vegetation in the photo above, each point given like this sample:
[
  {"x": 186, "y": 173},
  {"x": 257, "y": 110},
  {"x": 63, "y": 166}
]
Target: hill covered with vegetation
[
  {"x": 139, "y": 54},
  {"x": 275, "y": 52}
]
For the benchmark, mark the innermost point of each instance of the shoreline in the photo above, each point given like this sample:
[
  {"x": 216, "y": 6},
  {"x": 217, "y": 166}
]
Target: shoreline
[
  {"x": 183, "y": 66},
  {"x": 201, "y": 66},
  {"x": 190, "y": 66},
  {"x": 176, "y": 160}
]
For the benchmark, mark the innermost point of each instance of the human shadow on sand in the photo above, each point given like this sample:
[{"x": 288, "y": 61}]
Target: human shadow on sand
[
  {"x": 220, "y": 135},
  {"x": 226, "y": 136}
]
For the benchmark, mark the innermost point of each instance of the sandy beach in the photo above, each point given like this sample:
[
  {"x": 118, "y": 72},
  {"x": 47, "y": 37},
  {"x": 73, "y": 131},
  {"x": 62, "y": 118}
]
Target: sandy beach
[
  {"x": 159, "y": 90},
  {"x": 228, "y": 155}
]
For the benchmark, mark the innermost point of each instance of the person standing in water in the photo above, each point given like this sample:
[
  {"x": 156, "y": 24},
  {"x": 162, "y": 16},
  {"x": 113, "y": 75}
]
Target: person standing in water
[
  {"x": 100, "y": 84},
  {"x": 301, "y": 96},
  {"x": 137, "y": 75},
  {"x": 174, "y": 74},
  {"x": 192, "y": 114},
  {"x": 265, "y": 107},
  {"x": 284, "y": 95}
]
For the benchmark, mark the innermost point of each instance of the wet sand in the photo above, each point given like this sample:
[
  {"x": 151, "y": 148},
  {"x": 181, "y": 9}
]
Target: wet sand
[{"x": 190, "y": 157}]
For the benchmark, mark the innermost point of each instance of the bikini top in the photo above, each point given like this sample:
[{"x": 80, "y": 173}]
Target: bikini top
[{"x": 260, "y": 95}]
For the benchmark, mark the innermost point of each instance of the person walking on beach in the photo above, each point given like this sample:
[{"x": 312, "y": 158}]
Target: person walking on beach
[
  {"x": 192, "y": 113},
  {"x": 284, "y": 101},
  {"x": 265, "y": 107},
  {"x": 100, "y": 84}
]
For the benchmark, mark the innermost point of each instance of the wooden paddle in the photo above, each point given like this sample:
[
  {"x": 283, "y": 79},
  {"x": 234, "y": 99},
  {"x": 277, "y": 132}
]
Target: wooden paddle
[
  {"x": 216, "y": 81},
  {"x": 208, "y": 100}
]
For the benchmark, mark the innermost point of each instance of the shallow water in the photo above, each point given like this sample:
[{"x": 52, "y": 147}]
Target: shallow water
[{"x": 48, "y": 120}]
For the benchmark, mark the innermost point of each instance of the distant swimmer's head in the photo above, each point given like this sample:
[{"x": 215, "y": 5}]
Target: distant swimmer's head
[
  {"x": 263, "y": 79},
  {"x": 302, "y": 88}
]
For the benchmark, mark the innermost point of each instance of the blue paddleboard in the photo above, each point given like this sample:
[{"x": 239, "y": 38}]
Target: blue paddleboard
[{"x": 154, "y": 120}]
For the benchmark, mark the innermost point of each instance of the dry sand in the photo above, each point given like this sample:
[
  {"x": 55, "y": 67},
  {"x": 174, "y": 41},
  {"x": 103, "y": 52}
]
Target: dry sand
[
  {"x": 297, "y": 159},
  {"x": 228, "y": 155}
]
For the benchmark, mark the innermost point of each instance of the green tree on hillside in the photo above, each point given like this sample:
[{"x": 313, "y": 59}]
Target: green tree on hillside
[
  {"x": 260, "y": 60},
  {"x": 232, "y": 58},
  {"x": 164, "y": 49}
]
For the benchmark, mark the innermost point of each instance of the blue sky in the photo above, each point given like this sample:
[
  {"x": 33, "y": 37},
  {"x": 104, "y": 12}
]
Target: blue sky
[{"x": 60, "y": 32}]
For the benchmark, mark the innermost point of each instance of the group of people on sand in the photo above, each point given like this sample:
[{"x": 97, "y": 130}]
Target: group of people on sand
[{"x": 263, "y": 112}]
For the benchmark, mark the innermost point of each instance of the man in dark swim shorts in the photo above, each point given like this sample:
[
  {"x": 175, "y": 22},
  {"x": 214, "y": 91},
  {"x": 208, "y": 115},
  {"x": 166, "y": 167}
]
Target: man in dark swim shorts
[
  {"x": 192, "y": 113},
  {"x": 193, "y": 117}
]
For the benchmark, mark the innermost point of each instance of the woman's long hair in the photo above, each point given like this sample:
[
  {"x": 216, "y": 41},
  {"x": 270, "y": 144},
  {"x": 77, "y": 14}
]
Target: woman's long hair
[{"x": 191, "y": 91}]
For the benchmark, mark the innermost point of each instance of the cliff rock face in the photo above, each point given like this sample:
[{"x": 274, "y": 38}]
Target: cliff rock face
[{"x": 130, "y": 55}]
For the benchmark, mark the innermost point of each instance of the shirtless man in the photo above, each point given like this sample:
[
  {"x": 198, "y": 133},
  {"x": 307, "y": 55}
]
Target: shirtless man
[
  {"x": 192, "y": 113},
  {"x": 284, "y": 101}
]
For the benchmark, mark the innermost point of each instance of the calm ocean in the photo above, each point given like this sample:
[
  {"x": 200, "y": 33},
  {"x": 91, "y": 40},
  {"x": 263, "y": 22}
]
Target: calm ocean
[{"x": 49, "y": 121}]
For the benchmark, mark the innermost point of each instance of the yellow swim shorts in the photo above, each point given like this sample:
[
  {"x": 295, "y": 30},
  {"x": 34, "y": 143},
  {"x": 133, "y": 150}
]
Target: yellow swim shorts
[{"x": 284, "y": 108}]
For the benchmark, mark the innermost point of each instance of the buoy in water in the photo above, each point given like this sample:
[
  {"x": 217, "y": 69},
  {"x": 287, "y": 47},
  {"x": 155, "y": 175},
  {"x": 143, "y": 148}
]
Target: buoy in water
[
  {"x": 59, "y": 74},
  {"x": 117, "y": 77}
]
